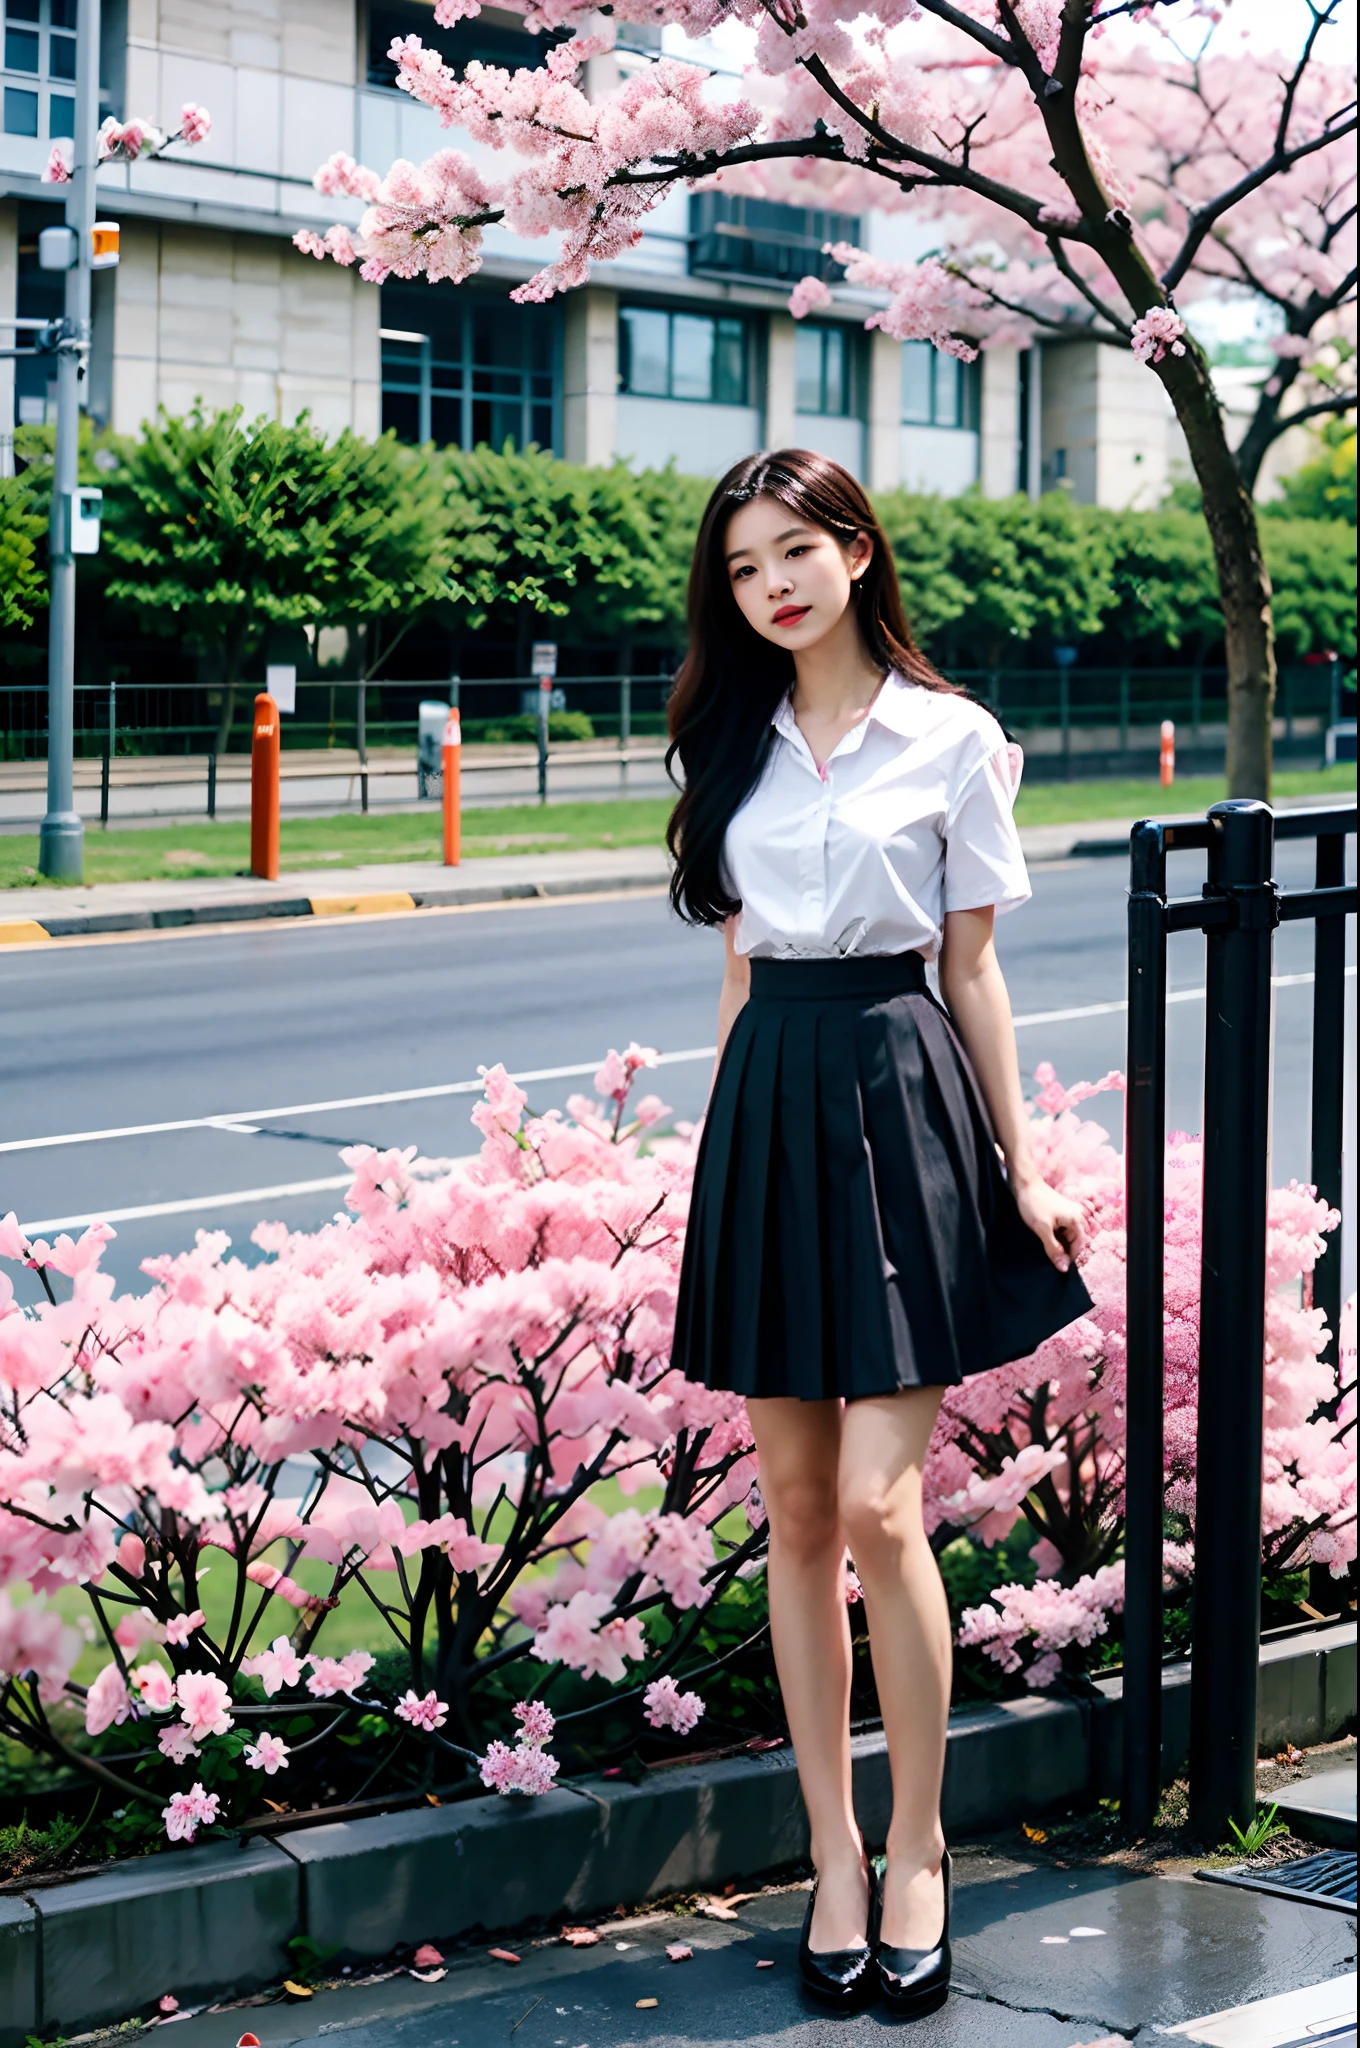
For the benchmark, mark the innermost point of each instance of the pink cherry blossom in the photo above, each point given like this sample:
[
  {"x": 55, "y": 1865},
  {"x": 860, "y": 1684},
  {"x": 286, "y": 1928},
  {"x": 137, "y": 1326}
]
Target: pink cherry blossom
[
  {"x": 331, "y": 1675},
  {"x": 195, "y": 123},
  {"x": 275, "y": 1667},
  {"x": 56, "y": 171},
  {"x": 188, "y": 1811},
  {"x": 156, "y": 1687},
  {"x": 1156, "y": 333},
  {"x": 176, "y": 1743},
  {"x": 131, "y": 1555},
  {"x": 107, "y": 1703},
  {"x": 268, "y": 1753},
  {"x": 665, "y": 1706},
  {"x": 536, "y": 1722},
  {"x": 809, "y": 295},
  {"x": 180, "y": 1627},
  {"x": 204, "y": 1703},
  {"x": 428, "y": 1713}
]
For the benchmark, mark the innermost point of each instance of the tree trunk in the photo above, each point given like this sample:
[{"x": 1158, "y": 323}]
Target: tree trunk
[
  {"x": 1243, "y": 581},
  {"x": 233, "y": 651}
]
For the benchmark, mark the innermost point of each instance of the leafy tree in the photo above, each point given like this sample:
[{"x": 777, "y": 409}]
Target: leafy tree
[
  {"x": 216, "y": 532},
  {"x": 23, "y": 579},
  {"x": 533, "y": 537},
  {"x": 983, "y": 577},
  {"x": 1312, "y": 570},
  {"x": 1325, "y": 487}
]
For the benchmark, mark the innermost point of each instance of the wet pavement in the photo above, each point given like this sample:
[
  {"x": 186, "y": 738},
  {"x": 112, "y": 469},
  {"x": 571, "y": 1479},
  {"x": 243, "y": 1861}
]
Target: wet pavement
[{"x": 1046, "y": 1955}]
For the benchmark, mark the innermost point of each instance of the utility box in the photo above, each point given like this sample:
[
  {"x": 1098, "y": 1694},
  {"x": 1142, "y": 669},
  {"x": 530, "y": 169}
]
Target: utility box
[
  {"x": 82, "y": 511},
  {"x": 58, "y": 249},
  {"x": 433, "y": 718}
]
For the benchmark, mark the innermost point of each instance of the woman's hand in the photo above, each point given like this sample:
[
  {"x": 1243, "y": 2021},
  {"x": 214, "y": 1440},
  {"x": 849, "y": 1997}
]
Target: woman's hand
[{"x": 1057, "y": 1222}]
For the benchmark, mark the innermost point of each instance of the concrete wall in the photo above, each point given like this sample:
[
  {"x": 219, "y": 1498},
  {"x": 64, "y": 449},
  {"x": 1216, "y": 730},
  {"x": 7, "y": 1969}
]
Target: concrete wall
[
  {"x": 590, "y": 372},
  {"x": 941, "y": 459},
  {"x": 704, "y": 440},
  {"x": 1107, "y": 427},
  {"x": 999, "y": 454},
  {"x": 241, "y": 319}
]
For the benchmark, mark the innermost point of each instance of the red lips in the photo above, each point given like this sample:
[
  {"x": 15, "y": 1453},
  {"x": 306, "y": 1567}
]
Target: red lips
[{"x": 790, "y": 614}]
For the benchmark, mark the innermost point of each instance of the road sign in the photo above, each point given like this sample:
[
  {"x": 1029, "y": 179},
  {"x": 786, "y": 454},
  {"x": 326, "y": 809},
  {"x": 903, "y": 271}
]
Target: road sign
[
  {"x": 543, "y": 658},
  {"x": 281, "y": 683}
]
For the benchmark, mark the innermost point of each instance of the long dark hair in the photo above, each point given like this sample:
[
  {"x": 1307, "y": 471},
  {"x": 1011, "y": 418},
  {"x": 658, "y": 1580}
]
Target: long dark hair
[{"x": 732, "y": 679}]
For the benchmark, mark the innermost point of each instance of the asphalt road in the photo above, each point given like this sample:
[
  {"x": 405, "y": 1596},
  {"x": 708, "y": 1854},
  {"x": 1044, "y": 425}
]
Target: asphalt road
[{"x": 146, "y": 1030}]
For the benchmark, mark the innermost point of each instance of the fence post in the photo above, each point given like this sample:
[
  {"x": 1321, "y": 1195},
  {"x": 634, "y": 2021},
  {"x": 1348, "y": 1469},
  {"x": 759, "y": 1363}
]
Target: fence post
[
  {"x": 1230, "y": 1433},
  {"x": 212, "y": 782},
  {"x": 264, "y": 790},
  {"x": 1329, "y": 1076},
  {"x": 625, "y": 726},
  {"x": 361, "y": 740},
  {"x": 545, "y": 689},
  {"x": 1144, "y": 1198},
  {"x": 451, "y": 761}
]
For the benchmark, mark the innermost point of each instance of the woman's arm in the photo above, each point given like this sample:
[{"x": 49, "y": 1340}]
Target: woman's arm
[
  {"x": 974, "y": 991},
  {"x": 736, "y": 986}
]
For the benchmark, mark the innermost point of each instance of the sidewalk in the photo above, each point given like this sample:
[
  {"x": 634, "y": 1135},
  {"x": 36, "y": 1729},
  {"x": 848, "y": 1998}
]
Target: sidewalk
[
  {"x": 1046, "y": 1955},
  {"x": 28, "y": 915}
]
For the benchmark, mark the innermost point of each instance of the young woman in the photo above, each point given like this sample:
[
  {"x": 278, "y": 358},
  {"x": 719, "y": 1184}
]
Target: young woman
[{"x": 855, "y": 1246}]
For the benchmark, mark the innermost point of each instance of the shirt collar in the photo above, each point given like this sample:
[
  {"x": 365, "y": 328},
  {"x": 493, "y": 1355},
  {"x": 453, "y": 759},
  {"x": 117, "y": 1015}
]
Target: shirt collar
[{"x": 894, "y": 706}]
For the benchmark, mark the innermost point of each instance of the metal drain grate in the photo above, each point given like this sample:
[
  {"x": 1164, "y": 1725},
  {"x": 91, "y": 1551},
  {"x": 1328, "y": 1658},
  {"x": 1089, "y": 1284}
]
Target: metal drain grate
[{"x": 1325, "y": 1880}]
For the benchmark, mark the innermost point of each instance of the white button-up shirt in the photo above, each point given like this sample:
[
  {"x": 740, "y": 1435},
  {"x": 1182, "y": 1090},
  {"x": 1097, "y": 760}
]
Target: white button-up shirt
[{"x": 911, "y": 816}]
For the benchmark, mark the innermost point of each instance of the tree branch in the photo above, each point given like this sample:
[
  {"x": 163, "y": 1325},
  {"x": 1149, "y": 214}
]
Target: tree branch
[
  {"x": 1280, "y": 160},
  {"x": 1075, "y": 278}
]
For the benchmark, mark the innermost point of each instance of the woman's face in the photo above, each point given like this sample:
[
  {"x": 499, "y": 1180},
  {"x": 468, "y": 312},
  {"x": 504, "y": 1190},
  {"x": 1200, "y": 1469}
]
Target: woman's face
[{"x": 790, "y": 579}]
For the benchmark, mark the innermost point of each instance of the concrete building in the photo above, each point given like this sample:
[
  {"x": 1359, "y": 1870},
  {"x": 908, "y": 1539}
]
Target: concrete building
[{"x": 684, "y": 352}]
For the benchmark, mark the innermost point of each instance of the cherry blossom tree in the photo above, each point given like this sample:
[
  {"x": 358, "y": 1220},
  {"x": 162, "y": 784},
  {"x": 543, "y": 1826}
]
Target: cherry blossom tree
[
  {"x": 471, "y": 1369},
  {"x": 1087, "y": 168}
]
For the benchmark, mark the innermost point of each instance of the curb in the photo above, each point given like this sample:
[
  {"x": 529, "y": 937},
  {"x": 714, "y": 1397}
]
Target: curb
[
  {"x": 215, "y": 1919},
  {"x": 26, "y": 931}
]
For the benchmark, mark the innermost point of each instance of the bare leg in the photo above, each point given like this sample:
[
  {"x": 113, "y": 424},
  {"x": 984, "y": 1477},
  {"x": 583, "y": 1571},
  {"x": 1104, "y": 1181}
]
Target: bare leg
[
  {"x": 883, "y": 1448},
  {"x": 799, "y": 1445}
]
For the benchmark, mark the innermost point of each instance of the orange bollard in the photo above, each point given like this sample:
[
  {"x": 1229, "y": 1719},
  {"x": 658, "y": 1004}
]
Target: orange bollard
[
  {"x": 1168, "y": 752},
  {"x": 264, "y": 790},
  {"x": 452, "y": 754}
]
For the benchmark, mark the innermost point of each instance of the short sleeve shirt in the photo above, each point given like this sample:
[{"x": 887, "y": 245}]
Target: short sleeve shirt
[{"x": 911, "y": 816}]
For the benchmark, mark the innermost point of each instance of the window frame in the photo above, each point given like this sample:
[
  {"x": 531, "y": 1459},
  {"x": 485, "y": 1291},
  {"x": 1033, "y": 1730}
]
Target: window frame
[
  {"x": 966, "y": 379},
  {"x": 42, "y": 83},
  {"x": 852, "y": 378},
  {"x": 741, "y": 327}
]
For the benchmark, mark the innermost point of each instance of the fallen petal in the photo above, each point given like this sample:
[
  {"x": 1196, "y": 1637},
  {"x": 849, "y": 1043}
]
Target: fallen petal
[
  {"x": 1079, "y": 1931},
  {"x": 249, "y": 2041},
  {"x": 1053, "y": 1940},
  {"x": 428, "y": 1976},
  {"x": 580, "y": 1937},
  {"x": 678, "y": 1952},
  {"x": 765, "y": 1963},
  {"x": 427, "y": 1956},
  {"x": 502, "y": 1955},
  {"x": 646, "y": 2004},
  {"x": 169, "y": 2003}
]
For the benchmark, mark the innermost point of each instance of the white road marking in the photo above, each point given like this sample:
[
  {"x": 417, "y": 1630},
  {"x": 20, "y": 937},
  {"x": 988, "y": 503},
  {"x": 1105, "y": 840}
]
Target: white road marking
[
  {"x": 236, "y": 1120},
  {"x": 245, "y": 1122},
  {"x": 188, "y": 1206}
]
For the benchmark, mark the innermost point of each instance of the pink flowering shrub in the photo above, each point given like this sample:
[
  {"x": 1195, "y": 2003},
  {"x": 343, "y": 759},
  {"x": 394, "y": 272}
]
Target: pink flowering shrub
[
  {"x": 458, "y": 1367},
  {"x": 1043, "y": 1439},
  {"x": 455, "y": 1405}
]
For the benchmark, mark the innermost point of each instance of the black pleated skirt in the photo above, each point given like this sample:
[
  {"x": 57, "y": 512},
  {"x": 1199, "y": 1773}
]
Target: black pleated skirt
[{"x": 851, "y": 1229}]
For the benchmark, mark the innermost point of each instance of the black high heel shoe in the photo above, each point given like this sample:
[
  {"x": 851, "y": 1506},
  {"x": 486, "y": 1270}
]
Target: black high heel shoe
[
  {"x": 842, "y": 1979},
  {"x": 915, "y": 1981}
]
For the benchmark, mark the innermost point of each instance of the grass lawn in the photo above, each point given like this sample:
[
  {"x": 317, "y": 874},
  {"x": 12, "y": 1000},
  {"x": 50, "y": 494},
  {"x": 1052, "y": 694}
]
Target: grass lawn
[{"x": 190, "y": 852}]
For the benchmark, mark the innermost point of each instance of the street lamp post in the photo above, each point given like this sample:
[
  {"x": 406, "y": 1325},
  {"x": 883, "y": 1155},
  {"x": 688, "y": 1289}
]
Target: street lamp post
[{"x": 61, "y": 843}]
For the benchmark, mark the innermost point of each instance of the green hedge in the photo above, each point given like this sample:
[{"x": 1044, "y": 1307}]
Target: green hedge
[{"x": 519, "y": 545}]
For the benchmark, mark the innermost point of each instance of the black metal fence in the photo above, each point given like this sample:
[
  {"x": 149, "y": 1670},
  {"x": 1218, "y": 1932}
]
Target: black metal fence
[
  {"x": 167, "y": 719},
  {"x": 1238, "y": 912}
]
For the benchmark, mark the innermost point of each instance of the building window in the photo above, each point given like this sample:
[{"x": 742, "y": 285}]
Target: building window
[
  {"x": 938, "y": 390},
  {"x": 825, "y": 364},
  {"x": 740, "y": 237},
  {"x": 683, "y": 355},
  {"x": 36, "y": 48},
  {"x": 458, "y": 369},
  {"x": 467, "y": 42}
]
